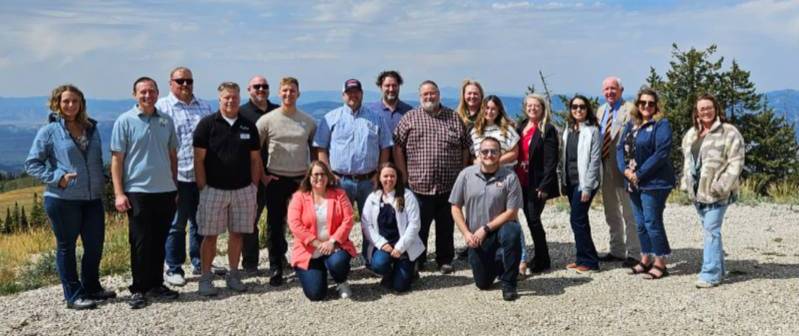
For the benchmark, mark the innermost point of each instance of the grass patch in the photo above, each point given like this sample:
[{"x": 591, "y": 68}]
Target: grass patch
[
  {"x": 22, "y": 196},
  {"x": 784, "y": 192}
]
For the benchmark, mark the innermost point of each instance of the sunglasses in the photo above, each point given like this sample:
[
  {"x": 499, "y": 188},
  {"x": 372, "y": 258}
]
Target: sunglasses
[
  {"x": 183, "y": 81},
  {"x": 646, "y": 103},
  {"x": 580, "y": 107},
  {"x": 489, "y": 152},
  {"x": 260, "y": 87}
]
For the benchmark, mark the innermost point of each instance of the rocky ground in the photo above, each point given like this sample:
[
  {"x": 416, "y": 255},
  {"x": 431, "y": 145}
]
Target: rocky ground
[{"x": 759, "y": 296}]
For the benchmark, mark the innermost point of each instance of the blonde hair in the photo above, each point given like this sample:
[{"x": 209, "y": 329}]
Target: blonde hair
[
  {"x": 462, "y": 110},
  {"x": 547, "y": 110},
  {"x": 55, "y": 103},
  {"x": 635, "y": 114}
]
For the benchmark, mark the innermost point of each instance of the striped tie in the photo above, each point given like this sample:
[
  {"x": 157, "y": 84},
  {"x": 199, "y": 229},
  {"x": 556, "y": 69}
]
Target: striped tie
[{"x": 606, "y": 138}]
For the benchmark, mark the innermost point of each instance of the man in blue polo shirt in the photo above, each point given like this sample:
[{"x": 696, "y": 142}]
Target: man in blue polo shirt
[
  {"x": 390, "y": 106},
  {"x": 352, "y": 140},
  {"x": 143, "y": 171}
]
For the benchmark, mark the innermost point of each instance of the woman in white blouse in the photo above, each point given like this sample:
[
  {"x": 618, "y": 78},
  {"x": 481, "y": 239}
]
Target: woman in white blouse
[
  {"x": 494, "y": 122},
  {"x": 391, "y": 222}
]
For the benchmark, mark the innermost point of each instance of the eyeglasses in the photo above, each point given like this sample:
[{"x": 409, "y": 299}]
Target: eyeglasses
[
  {"x": 183, "y": 81},
  {"x": 260, "y": 87},
  {"x": 647, "y": 103},
  {"x": 489, "y": 152},
  {"x": 580, "y": 107}
]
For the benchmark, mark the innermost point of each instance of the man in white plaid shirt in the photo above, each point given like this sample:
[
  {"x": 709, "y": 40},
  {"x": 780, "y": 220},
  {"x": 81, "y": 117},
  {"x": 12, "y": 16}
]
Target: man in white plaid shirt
[{"x": 186, "y": 110}]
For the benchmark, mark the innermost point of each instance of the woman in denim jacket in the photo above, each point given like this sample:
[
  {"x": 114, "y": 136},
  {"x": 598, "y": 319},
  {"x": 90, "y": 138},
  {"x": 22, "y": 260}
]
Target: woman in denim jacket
[
  {"x": 643, "y": 155},
  {"x": 66, "y": 156},
  {"x": 713, "y": 153}
]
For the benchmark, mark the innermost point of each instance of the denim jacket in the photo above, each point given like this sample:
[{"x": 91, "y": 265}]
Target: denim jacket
[
  {"x": 54, "y": 153},
  {"x": 652, "y": 148}
]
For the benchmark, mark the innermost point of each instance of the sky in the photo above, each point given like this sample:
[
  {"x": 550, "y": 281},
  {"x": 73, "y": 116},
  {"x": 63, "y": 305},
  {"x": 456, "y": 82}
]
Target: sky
[{"x": 103, "y": 46}]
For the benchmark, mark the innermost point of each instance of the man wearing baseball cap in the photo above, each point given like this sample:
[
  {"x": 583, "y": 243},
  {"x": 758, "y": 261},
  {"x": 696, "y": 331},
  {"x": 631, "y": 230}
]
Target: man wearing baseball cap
[{"x": 353, "y": 140}]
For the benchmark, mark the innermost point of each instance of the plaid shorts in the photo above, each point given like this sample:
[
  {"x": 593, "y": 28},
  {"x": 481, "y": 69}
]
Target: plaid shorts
[{"x": 233, "y": 210}]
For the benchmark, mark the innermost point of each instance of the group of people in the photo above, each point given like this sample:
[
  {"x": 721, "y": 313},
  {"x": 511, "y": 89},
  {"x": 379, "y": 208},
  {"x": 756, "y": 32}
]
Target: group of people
[{"x": 175, "y": 162}]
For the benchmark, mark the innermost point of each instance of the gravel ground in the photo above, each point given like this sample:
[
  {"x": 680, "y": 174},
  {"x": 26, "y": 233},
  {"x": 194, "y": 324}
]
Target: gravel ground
[{"x": 759, "y": 297}]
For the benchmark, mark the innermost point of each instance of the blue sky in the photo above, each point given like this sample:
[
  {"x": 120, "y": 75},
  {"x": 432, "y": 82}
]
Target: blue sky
[{"x": 102, "y": 46}]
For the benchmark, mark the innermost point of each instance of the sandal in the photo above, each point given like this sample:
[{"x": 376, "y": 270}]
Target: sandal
[
  {"x": 640, "y": 268},
  {"x": 652, "y": 276}
]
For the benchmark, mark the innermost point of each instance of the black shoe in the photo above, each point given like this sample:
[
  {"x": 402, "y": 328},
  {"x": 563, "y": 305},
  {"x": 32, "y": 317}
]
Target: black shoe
[
  {"x": 218, "y": 270},
  {"x": 462, "y": 254},
  {"x": 630, "y": 262},
  {"x": 509, "y": 294},
  {"x": 540, "y": 268},
  {"x": 82, "y": 303},
  {"x": 162, "y": 292},
  {"x": 137, "y": 301},
  {"x": 611, "y": 258},
  {"x": 276, "y": 280},
  {"x": 102, "y": 295}
]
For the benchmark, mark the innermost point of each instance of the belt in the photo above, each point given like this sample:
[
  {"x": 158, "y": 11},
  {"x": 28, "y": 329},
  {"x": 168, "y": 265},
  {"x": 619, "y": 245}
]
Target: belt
[{"x": 357, "y": 177}]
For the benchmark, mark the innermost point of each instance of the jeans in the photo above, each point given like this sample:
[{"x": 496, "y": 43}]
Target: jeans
[
  {"x": 250, "y": 247},
  {"x": 314, "y": 279},
  {"x": 188, "y": 200},
  {"x": 712, "y": 215},
  {"x": 437, "y": 207},
  {"x": 70, "y": 219},
  {"x": 533, "y": 207},
  {"x": 358, "y": 191},
  {"x": 487, "y": 264},
  {"x": 149, "y": 221},
  {"x": 648, "y": 207},
  {"x": 278, "y": 194},
  {"x": 399, "y": 272},
  {"x": 578, "y": 218}
]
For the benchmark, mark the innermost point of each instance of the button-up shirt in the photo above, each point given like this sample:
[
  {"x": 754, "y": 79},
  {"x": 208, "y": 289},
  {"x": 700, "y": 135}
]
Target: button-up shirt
[
  {"x": 486, "y": 197},
  {"x": 433, "y": 145},
  {"x": 185, "y": 117},
  {"x": 613, "y": 110},
  {"x": 353, "y": 139},
  {"x": 392, "y": 117}
]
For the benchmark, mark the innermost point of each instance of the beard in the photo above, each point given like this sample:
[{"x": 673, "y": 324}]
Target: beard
[
  {"x": 429, "y": 106},
  {"x": 391, "y": 97}
]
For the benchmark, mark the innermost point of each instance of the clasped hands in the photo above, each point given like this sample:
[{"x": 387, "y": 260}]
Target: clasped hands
[
  {"x": 474, "y": 240},
  {"x": 324, "y": 247},
  {"x": 396, "y": 254}
]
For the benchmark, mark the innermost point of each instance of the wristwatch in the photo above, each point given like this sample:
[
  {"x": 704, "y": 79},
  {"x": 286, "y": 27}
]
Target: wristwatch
[{"x": 487, "y": 228}]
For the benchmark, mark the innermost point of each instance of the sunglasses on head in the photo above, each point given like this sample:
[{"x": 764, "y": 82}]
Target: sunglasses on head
[
  {"x": 260, "y": 86},
  {"x": 646, "y": 103},
  {"x": 184, "y": 81}
]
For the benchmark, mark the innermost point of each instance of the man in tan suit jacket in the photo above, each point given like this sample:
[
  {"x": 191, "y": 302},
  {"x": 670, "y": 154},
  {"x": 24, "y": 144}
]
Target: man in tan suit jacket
[{"x": 613, "y": 115}]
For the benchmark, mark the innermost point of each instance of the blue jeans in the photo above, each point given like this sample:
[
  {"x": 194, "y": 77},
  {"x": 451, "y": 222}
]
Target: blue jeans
[
  {"x": 188, "y": 200},
  {"x": 70, "y": 219},
  {"x": 314, "y": 279},
  {"x": 487, "y": 263},
  {"x": 358, "y": 191},
  {"x": 648, "y": 207},
  {"x": 578, "y": 218},
  {"x": 712, "y": 215},
  {"x": 398, "y": 271}
]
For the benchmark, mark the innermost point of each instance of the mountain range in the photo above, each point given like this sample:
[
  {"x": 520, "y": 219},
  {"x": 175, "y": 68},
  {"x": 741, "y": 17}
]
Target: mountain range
[{"x": 20, "y": 117}]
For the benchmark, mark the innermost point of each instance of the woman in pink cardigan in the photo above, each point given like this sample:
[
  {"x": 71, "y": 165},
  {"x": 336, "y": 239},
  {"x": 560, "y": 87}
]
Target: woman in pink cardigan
[{"x": 320, "y": 218}]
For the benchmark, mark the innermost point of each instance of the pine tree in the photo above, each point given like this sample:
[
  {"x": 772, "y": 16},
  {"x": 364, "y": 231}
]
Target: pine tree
[
  {"x": 9, "y": 222},
  {"x": 17, "y": 226},
  {"x": 24, "y": 224},
  {"x": 771, "y": 154},
  {"x": 37, "y": 217}
]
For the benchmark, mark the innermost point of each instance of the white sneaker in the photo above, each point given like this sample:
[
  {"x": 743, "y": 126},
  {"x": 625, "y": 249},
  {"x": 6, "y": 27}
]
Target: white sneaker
[
  {"x": 233, "y": 281},
  {"x": 174, "y": 279},
  {"x": 344, "y": 290},
  {"x": 704, "y": 284},
  {"x": 206, "y": 285}
]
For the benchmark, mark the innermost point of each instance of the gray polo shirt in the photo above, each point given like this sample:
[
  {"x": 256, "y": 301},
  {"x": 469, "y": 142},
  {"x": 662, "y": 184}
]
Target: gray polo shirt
[
  {"x": 145, "y": 141},
  {"x": 485, "y": 198}
]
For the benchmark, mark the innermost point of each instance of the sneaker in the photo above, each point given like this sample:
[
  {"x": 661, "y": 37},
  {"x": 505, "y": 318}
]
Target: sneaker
[
  {"x": 206, "y": 285},
  {"x": 344, "y": 290},
  {"x": 233, "y": 281},
  {"x": 102, "y": 295},
  {"x": 162, "y": 292},
  {"x": 445, "y": 269},
  {"x": 580, "y": 269},
  {"x": 705, "y": 284},
  {"x": 137, "y": 301},
  {"x": 276, "y": 280},
  {"x": 218, "y": 270},
  {"x": 81, "y": 304},
  {"x": 509, "y": 294},
  {"x": 251, "y": 271},
  {"x": 174, "y": 279}
]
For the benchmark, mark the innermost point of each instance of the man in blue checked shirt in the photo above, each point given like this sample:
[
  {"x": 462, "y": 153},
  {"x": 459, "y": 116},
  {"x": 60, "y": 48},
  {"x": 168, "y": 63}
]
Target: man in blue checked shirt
[{"x": 353, "y": 140}]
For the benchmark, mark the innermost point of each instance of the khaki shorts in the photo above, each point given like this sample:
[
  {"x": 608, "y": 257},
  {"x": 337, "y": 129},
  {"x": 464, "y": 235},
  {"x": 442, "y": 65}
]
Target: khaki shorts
[{"x": 220, "y": 210}]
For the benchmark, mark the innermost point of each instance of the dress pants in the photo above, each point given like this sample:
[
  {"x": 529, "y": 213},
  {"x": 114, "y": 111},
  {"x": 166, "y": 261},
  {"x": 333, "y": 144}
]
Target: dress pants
[
  {"x": 621, "y": 222},
  {"x": 437, "y": 207},
  {"x": 149, "y": 220},
  {"x": 278, "y": 195}
]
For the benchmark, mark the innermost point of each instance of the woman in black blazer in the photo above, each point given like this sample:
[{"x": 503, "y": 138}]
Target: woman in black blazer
[{"x": 536, "y": 168}]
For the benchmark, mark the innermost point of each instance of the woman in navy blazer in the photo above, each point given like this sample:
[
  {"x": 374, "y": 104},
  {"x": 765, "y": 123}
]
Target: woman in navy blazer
[
  {"x": 536, "y": 168},
  {"x": 643, "y": 155}
]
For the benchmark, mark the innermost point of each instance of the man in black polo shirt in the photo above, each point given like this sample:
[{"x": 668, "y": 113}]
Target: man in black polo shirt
[
  {"x": 257, "y": 106},
  {"x": 227, "y": 167}
]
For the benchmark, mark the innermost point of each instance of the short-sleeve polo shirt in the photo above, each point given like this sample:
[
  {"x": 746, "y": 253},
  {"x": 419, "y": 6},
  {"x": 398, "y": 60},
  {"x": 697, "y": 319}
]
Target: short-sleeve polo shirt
[
  {"x": 486, "y": 197},
  {"x": 228, "y": 147}
]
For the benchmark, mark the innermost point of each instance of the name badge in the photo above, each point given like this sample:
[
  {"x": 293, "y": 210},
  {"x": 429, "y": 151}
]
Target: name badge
[{"x": 244, "y": 136}]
